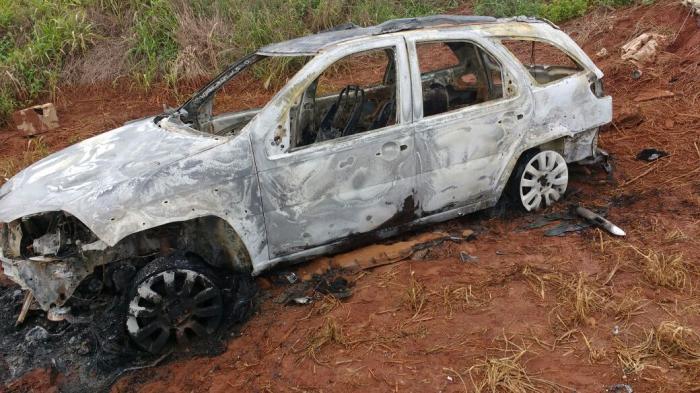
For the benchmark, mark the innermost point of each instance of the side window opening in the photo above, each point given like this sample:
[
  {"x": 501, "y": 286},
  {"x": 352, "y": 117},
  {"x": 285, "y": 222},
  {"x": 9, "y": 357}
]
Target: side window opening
[
  {"x": 356, "y": 94},
  {"x": 544, "y": 61},
  {"x": 455, "y": 75}
]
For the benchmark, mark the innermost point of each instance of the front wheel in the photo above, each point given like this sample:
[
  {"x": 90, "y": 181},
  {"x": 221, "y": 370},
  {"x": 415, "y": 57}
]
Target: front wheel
[
  {"x": 173, "y": 300},
  {"x": 540, "y": 179}
]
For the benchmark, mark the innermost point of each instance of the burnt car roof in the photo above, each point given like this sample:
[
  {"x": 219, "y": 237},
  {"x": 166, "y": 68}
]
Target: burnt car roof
[{"x": 312, "y": 44}]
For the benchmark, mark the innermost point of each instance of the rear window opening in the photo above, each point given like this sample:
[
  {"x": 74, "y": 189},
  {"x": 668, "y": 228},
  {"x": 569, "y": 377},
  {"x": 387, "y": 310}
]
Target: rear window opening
[{"x": 544, "y": 61}]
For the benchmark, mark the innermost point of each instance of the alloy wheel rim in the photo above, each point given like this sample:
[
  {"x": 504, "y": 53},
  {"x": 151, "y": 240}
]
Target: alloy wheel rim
[
  {"x": 173, "y": 306},
  {"x": 544, "y": 180}
]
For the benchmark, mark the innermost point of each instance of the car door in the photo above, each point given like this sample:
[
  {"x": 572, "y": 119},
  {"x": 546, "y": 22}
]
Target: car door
[
  {"x": 327, "y": 191},
  {"x": 470, "y": 113}
]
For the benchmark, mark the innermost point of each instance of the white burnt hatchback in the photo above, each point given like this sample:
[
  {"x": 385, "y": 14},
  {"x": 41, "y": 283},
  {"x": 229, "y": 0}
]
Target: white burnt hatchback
[{"x": 375, "y": 130}]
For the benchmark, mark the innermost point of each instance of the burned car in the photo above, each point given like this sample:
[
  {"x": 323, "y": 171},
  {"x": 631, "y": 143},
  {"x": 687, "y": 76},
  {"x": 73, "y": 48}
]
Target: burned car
[{"x": 381, "y": 129}]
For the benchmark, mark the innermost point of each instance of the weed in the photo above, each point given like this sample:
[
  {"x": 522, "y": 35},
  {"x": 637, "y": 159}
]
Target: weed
[
  {"x": 415, "y": 296},
  {"x": 507, "y": 373},
  {"x": 667, "y": 271},
  {"x": 554, "y": 10},
  {"x": 577, "y": 296},
  {"x": 677, "y": 344},
  {"x": 459, "y": 298},
  {"x": 328, "y": 333},
  {"x": 630, "y": 305}
]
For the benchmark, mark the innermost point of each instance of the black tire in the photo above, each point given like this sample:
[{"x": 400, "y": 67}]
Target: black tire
[
  {"x": 173, "y": 300},
  {"x": 513, "y": 187}
]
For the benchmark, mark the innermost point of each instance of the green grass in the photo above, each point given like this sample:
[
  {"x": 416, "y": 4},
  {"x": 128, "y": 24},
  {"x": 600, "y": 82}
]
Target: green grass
[
  {"x": 554, "y": 10},
  {"x": 38, "y": 36}
]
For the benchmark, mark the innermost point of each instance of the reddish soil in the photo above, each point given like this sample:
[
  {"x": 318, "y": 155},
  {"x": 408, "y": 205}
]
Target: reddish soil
[{"x": 576, "y": 305}]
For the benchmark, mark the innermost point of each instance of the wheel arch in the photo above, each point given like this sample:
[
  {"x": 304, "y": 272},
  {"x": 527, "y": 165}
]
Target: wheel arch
[{"x": 211, "y": 238}]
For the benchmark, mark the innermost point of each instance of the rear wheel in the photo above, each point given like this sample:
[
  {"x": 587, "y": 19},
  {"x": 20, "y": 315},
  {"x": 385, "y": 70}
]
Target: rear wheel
[
  {"x": 173, "y": 300},
  {"x": 540, "y": 179}
]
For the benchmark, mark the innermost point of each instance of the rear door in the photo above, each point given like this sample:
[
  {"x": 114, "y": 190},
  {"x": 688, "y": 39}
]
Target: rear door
[{"x": 470, "y": 113}]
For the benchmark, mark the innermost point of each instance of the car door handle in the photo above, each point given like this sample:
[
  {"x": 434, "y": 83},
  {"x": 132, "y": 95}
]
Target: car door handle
[{"x": 390, "y": 151}]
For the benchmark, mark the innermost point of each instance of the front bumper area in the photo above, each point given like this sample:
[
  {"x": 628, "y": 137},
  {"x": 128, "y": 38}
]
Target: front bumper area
[{"x": 52, "y": 281}]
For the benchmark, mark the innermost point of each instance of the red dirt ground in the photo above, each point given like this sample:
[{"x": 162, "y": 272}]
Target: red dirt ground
[{"x": 434, "y": 323}]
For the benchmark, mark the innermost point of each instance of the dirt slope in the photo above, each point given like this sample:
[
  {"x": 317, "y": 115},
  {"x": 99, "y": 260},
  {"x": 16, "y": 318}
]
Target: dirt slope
[{"x": 580, "y": 312}]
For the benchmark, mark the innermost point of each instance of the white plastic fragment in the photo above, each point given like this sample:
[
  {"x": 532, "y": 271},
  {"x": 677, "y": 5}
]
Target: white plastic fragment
[{"x": 596, "y": 219}]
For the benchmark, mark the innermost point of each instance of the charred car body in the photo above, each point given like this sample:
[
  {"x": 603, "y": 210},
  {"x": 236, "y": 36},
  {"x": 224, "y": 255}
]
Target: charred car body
[{"x": 452, "y": 121}]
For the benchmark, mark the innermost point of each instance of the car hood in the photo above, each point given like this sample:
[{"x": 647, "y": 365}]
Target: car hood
[{"x": 92, "y": 167}]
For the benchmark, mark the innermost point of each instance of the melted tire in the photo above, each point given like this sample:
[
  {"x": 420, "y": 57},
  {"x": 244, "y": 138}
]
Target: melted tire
[{"x": 191, "y": 303}]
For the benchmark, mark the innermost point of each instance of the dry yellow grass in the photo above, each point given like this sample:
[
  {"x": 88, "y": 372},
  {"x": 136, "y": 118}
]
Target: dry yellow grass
[
  {"x": 459, "y": 298},
  {"x": 660, "y": 269},
  {"x": 330, "y": 332},
  {"x": 630, "y": 305},
  {"x": 415, "y": 296},
  {"x": 578, "y": 297},
  {"x": 507, "y": 373},
  {"x": 671, "y": 341}
]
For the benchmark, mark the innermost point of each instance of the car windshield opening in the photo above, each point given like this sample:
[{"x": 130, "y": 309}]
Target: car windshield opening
[{"x": 232, "y": 99}]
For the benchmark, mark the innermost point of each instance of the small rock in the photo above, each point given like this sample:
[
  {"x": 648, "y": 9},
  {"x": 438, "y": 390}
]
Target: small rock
[
  {"x": 465, "y": 257},
  {"x": 420, "y": 254},
  {"x": 36, "y": 334},
  {"x": 628, "y": 117},
  {"x": 602, "y": 53},
  {"x": 36, "y": 120},
  {"x": 669, "y": 123},
  {"x": 302, "y": 300}
]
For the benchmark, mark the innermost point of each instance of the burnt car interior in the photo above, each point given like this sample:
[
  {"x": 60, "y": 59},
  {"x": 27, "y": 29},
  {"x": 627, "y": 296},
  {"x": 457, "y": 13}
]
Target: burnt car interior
[
  {"x": 455, "y": 75},
  {"x": 354, "y": 95},
  {"x": 544, "y": 61}
]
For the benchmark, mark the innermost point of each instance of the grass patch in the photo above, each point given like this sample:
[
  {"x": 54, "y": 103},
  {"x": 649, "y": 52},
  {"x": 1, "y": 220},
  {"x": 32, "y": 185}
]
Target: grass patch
[
  {"x": 679, "y": 345},
  {"x": 577, "y": 296},
  {"x": 328, "y": 333},
  {"x": 630, "y": 305},
  {"x": 660, "y": 269},
  {"x": 415, "y": 295},
  {"x": 507, "y": 373},
  {"x": 554, "y": 10},
  {"x": 36, "y": 149}
]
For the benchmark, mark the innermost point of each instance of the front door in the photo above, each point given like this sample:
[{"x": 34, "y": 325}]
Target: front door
[{"x": 350, "y": 166}]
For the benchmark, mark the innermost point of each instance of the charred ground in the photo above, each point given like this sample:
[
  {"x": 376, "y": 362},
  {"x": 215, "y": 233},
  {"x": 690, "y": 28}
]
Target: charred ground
[{"x": 582, "y": 311}]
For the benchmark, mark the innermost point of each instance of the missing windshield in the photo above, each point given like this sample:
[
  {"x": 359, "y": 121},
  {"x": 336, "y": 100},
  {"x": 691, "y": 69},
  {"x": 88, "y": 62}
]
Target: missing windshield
[{"x": 232, "y": 99}]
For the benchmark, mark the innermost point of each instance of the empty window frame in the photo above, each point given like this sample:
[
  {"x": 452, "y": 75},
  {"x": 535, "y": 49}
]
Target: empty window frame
[
  {"x": 455, "y": 75},
  {"x": 354, "y": 95},
  {"x": 544, "y": 61}
]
